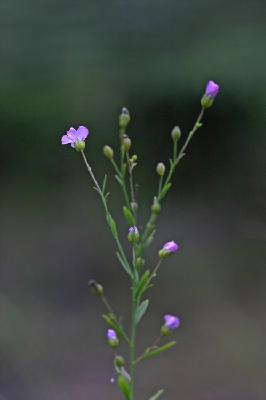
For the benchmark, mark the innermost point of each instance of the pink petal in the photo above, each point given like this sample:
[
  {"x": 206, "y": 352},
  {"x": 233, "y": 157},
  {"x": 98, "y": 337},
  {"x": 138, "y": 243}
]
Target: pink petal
[
  {"x": 82, "y": 132},
  {"x": 65, "y": 140},
  {"x": 72, "y": 134}
]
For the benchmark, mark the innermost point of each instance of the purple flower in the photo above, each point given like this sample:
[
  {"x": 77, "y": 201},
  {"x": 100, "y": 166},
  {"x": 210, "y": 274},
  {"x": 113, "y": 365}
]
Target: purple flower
[
  {"x": 171, "y": 247},
  {"x": 112, "y": 338},
  {"x": 75, "y": 137},
  {"x": 111, "y": 335},
  {"x": 171, "y": 322},
  {"x": 133, "y": 234},
  {"x": 212, "y": 89},
  {"x": 168, "y": 249},
  {"x": 134, "y": 230}
]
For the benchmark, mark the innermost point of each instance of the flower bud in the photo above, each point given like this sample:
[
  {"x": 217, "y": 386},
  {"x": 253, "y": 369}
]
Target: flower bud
[
  {"x": 79, "y": 145},
  {"x": 168, "y": 249},
  {"x": 134, "y": 206},
  {"x": 156, "y": 207},
  {"x": 140, "y": 262},
  {"x": 96, "y": 288},
  {"x": 112, "y": 338},
  {"x": 108, "y": 152},
  {"x": 171, "y": 323},
  {"x": 211, "y": 91},
  {"x": 119, "y": 361},
  {"x": 133, "y": 234},
  {"x": 160, "y": 169},
  {"x": 134, "y": 158},
  {"x": 176, "y": 133},
  {"x": 124, "y": 118},
  {"x": 126, "y": 143}
]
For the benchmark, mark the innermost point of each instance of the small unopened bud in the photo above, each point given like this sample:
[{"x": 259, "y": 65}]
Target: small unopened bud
[
  {"x": 134, "y": 158},
  {"x": 126, "y": 143},
  {"x": 156, "y": 207},
  {"x": 124, "y": 118},
  {"x": 133, "y": 234},
  {"x": 96, "y": 288},
  {"x": 108, "y": 152},
  {"x": 134, "y": 206},
  {"x": 211, "y": 91},
  {"x": 176, "y": 133},
  {"x": 119, "y": 361},
  {"x": 79, "y": 145},
  {"x": 160, "y": 169},
  {"x": 168, "y": 249},
  {"x": 112, "y": 338},
  {"x": 140, "y": 262}
]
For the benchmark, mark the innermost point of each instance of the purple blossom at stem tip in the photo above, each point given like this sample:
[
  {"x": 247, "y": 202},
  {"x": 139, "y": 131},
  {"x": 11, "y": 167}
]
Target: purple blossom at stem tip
[
  {"x": 171, "y": 322},
  {"x": 212, "y": 89},
  {"x": 73, "y": 136}
]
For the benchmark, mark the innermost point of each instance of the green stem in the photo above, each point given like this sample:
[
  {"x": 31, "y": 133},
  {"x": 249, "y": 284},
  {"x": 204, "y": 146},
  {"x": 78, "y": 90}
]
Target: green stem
[
  {"x": 174, "y": 162},
  {"x": 122, "y": 184},
  {"x": 133, "y": 342},
  {"x": 104, "y": 202}
]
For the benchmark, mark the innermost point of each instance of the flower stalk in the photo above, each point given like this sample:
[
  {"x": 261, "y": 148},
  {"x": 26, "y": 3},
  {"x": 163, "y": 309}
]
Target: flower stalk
[{"x": 139, "y": 239}]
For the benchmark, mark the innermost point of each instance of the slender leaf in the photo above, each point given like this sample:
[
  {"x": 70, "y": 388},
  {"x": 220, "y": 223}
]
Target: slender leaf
[
  {"x": 124, "y": 265},
  {"x": 124, "y": 386},
  {"x": 129, "y": 216},
  {"x": 165, "y": 190},
  {"x": 104, "y": 183},
  {"x": 142, "y": 308},
  {"x": 157, "y": 395},
  {"x": 159, "y": 350},
  {"x": 119, "y": 180},
  {"x": 141, "y": 287}
]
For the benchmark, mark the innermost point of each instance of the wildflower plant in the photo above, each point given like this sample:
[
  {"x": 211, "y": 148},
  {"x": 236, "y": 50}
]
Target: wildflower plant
[{"x": 140, "y": 237}]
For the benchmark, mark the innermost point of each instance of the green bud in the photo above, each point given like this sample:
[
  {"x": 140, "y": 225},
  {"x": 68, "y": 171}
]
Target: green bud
[
  {"x": 134, "y": 158},
  {"x": 119, "y": 361},
  {"x": 140, "y": 262},
  {"x": 124, "y": 118},
  {"x": 96, "y": 288},
  {"x": 165, "y": 331},
  {"x": 160, "y": 169},
  {"x": 176, "y": 133},
  {"x": 126, "y": 143},
  {"x": 108, "y": 152},
  {"x": 134, "y": 206},
  {"x": 206, "y": 101},
  {"x": 133, "y": 235},
  {"x": 79, "y": 145},
  {"x": 156, "y": 207}
]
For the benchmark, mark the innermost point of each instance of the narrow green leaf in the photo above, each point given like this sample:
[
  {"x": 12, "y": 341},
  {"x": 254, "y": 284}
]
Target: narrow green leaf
[
  {"x": 159, "y": 350},
  {"x": 141, "y": 287},
  {"x": 112, "y": 225},
  {"x": 119, "y": 180},
  {"x": 157, "y": 395},
  {"x": 124, "y": 386},
  {"x": 165, "y": 190},
  {"x": 124, "y": 265},
  {"x": 142, "y": 308},
  {"x": 104, "y": 183},
  {"x": 129, "y": 216}
]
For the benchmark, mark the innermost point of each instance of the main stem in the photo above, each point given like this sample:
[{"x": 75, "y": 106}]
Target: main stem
[{"x": 133, "y": 341}]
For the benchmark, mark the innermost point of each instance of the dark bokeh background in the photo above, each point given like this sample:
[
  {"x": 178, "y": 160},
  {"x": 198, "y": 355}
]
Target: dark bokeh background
[{"x": 68, "y": 63}]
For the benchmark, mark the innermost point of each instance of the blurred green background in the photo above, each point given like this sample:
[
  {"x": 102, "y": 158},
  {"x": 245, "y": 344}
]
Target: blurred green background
[{"x": 69, "y": 63}]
